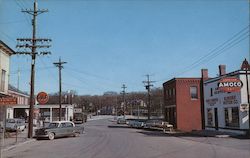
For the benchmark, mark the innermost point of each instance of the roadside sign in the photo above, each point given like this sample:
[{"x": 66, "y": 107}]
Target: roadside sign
[
  {"x": 8, "y": 101},
  {"x": 42, "y": 98},
  {"x": 230, "y": 84}
]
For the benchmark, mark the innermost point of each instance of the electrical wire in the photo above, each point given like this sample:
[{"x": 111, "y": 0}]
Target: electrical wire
[{"x": 231, "y": 42}]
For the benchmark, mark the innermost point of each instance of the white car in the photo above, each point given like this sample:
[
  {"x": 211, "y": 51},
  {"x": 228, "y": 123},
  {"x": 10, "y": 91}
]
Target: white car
[{"x": 15, "y": 124}]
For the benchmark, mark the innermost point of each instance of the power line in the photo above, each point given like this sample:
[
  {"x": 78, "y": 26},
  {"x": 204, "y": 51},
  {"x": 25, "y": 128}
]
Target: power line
[
  {"x": 215, "y": 55},
  {"x": 38, "y": 68},
  {"x": 21, "y": 6},
  {"x": 234, "y": 40}
]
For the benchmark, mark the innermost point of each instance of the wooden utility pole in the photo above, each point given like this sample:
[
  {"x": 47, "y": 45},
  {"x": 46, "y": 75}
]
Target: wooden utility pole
[
  {"x": 148, "y": 84},
  {"x": 123, "y": 97},
  {"x": 33, "y": 44},
  {"x": 60, "y": 66}
]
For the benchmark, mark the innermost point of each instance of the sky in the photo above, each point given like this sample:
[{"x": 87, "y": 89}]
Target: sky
[{"x": 107, "y": 43}]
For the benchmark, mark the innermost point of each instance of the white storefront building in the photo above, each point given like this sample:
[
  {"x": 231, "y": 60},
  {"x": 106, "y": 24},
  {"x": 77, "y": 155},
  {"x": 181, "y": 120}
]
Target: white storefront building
[{"x": 224, "y": 111}]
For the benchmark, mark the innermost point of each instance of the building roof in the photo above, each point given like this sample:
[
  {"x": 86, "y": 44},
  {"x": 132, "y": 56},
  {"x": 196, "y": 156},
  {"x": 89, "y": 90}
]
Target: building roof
[
  {"x": 182, "y": 78},
  {"x": 6, "y": 48},
  {"x": 14, "y": 89}
]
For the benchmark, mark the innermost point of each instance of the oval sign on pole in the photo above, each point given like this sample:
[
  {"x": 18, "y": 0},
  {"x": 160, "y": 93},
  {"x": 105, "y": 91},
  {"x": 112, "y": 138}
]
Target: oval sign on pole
[
  {"x": 42, "y": 98},
  {"x": 230, "y": 84}
]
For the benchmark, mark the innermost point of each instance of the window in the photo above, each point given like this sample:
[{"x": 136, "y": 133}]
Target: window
[
  {"x": 3, "y": 80},
  {"x": 173, "y": 91},
  {"x": 53, "y": 125},
  {"x": 194, "y": 92},
  {"x": 68, "y": 124},
  {"x": 211, "y": 92},
  {"x": 232, "y": 117},
  {"x": 210, "y": 117},
  {"x": 63, "y": 125},
  {"x": 170, "y": 92}
]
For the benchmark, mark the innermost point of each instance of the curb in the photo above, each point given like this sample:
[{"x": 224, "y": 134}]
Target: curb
[{"x": 10, "y": 147}]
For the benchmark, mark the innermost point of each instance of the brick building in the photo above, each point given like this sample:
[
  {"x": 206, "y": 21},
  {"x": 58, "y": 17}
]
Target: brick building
[{"x": 182, "y": 100}]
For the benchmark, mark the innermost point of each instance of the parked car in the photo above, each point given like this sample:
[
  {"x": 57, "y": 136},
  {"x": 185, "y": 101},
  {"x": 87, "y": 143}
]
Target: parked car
[
  {"x": 15, "y": 124},
  {"x": 121, "y": 120},
  {"x": 136, "y": 123},
  {"x": 154, "y": 123},
  {"x": 59, "y": 129}
]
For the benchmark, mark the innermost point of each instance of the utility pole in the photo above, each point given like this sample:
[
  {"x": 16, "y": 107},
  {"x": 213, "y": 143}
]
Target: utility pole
[
  {"x": 147, "y": 85},
  {"x": 33, "y": 44},
  {"x": 123, "y": 97},
  {"x": 60, "y": 66}
]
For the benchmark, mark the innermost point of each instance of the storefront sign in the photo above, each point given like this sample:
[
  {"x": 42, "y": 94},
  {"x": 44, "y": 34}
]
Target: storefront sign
[
  {"x": 212, "y": 102},
  {"x": 230, "y": 100},
  {"x": 230, "y": 84},
  {"x": 42, "y": 98},
  {"x": 8, "y": 101}
]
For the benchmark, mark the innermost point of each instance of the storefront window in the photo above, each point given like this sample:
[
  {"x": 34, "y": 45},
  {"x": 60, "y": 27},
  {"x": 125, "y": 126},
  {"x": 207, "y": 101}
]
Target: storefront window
[
  {"x": 209, "y": 117},
  {"x": 232, "y": 117}
]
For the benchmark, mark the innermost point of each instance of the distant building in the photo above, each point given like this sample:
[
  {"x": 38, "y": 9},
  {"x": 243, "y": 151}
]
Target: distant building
[
  {"x": 225, "y": 111},
  {"x": 182, "y": 100},
  {"x": 21, "y": 110},
  {"x": 5, "y": 53}
]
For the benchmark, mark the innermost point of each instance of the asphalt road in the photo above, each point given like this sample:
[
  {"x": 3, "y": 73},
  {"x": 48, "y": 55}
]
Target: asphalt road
[{"x": 102, "y": 139}]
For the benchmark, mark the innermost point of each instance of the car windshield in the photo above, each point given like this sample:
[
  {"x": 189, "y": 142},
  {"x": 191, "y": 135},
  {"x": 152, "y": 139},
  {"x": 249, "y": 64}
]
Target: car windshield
[
  {"x": 53, "y": 125},
  {"x": 11, "y": 121}
]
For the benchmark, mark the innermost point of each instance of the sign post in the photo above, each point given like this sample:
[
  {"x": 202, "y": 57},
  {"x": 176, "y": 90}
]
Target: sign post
[{"x": 3, "y": 102}]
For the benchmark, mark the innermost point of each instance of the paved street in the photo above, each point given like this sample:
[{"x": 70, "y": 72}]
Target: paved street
[{"x": 104, "y": 139}]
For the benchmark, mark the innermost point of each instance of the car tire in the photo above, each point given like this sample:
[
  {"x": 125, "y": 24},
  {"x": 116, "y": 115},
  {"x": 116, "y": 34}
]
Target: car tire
[{"x": 51, "y": 136}]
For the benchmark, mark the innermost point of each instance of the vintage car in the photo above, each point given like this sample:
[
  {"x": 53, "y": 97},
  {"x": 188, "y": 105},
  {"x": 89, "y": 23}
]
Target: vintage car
[
  {"x": 59, "y": 129},
  {"x": 15, "y": 124},
  {"x": 136, "y": 123}
]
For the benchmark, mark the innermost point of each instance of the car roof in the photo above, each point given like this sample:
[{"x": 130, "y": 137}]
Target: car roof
[{"x": 61, "y": 122}]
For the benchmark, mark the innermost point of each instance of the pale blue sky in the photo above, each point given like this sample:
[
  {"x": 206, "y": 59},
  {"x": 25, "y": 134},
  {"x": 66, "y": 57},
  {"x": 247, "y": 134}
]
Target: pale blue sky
[{"x": 110, "y": 42}]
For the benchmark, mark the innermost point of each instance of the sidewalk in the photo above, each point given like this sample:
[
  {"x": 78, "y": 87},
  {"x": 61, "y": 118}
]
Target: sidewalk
[
  {"x": 13, "y": 141},
  {"x": 218, "y": 134}
]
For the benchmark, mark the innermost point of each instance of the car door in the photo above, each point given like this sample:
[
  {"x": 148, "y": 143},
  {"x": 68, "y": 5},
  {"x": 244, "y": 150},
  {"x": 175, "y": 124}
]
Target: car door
[
  {"x": 62, "y": 130},
  {"x": 70, "y": 128}
]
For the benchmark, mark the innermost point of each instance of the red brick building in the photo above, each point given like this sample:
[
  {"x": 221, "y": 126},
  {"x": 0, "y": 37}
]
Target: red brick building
[{"x": 182, "y": 100}]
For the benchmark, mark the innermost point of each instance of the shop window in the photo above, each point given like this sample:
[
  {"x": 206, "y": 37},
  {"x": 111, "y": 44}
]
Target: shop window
[
  {"x": 232, "y": 117},
  {"x": 194, "y": 92},
  {"x": 209, "y": 117}
]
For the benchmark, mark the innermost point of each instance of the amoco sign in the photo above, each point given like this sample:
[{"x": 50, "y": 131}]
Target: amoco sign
[{"x": 230, "y": 84}]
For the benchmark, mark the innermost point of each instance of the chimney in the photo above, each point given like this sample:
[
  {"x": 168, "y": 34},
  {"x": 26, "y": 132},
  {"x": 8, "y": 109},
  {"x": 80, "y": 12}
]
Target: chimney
[
  {"x": 222, "y": 70},
  {"x": 204, "y": 74}
]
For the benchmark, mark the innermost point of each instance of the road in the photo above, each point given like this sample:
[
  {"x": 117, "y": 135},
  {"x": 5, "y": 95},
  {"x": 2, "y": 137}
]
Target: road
[{"x": 103, "y": 139}]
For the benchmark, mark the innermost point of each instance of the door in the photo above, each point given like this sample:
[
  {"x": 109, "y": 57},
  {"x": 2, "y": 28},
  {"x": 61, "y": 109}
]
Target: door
[{"x": 216, "y": 118}]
